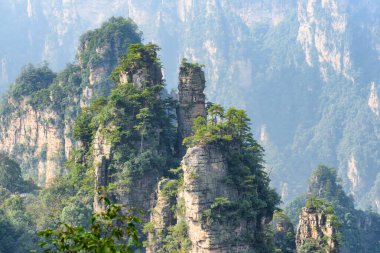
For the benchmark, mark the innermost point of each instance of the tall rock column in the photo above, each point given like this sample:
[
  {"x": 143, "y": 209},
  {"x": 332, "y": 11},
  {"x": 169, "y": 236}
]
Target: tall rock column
[
  {"x": 191, "y": 100},
  {"x": 205, "y": 170},
  {"x": 316, "y": 232}
]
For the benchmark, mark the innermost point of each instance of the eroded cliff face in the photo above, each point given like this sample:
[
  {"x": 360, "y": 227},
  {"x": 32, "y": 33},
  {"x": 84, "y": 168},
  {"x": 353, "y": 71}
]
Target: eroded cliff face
[
  {"x": 316, "y": 232},
  {"x": 139, "y": 193},
  {"x": 204, "y": 169},
  {"x": 40, "y": 140},
  {"x": 204, "y": 173},
  {"x": 40, "y": 136},
  {"x": 322, "y": 34},
  {"x": 191, "y": 100},
  {"x": 162, "y": 217}
]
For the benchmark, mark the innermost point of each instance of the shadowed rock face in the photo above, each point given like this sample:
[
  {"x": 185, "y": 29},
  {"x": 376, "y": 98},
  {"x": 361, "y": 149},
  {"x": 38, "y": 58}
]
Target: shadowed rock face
[
  {"x": 191, "y": 100},
  {"x": 284, "y": 234},
  {"x": 162, "y": 216},
  {"x": 315, "y": 229}
]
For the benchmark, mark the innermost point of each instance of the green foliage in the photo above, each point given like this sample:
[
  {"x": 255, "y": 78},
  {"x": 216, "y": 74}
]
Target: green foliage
[
  {"x": 177, "y": 239},
  {"x": 218, "y": 210},
  {"x": 135, "y": 120},
  {"x": 17, "y": 233},
  {"x": 10, "y": 174},
  {"x": 15, "y": 210},
  {"x": 65, "y": 89},
  {"x": 115, "y": 230},
  {"x": 230, "y": 131},
  {"x": 170, "y": 189},
  {"x": 139, "y": 57},
  {"x": 231, "y": 126},
  {"x": 324, "y": 183},
  {"x": 320, "y": 205},
  {"x": 75, "y": 214},
  {"x": 283, "y": 233},
  {"x": 115, "y": 30},
  {"x": 32, "y": 79},
  {"x": 84, "y": 129},
  {"x": 135, "y": 167},
  {"x": 11, "y": 178},
  {"x": 186, "y": 64},
  {"x": 40, "y": 99}
]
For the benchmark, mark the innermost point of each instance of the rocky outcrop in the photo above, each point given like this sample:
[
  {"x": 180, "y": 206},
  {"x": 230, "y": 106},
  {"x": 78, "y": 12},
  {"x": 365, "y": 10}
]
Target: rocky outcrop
[
  {"x": 145, "y": 74},
  {"x": 38, "y": 139},
  {"x": 41, "y": 138},
  {"x": 161, "y": 217},
  {"x": 142, "y": 72},
  {"x": 205, "y": 169},
  {"x": 316, "y": 232},
  {"x": 97, "y": 60},
  {"x": 191, "y": 99}
]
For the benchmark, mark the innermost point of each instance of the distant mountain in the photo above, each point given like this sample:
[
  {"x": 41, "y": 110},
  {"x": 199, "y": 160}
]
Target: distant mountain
[{"x": 307, "y": 71}]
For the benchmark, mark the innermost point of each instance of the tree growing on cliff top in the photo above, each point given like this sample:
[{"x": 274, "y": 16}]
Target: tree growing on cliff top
[
  {"x": 256, "y": 201},
  {"x": 219, "y": 126}
]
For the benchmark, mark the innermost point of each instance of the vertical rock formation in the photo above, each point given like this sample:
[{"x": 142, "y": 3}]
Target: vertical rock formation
[
  {"x": 215, "y": 213},
  {"x": 161, "y": 218},
  {"x": 316, "y": 232},
  {"x": 191, "y": 104},
  {"x": 40, "y": 137},
  {"x": 99, "y": 52},
  {"x": 191, "y": 100},
  {"x": 144, "y": 71},
  {"x": 205, "y": 170},
  {"x": 147, "y": 72}
]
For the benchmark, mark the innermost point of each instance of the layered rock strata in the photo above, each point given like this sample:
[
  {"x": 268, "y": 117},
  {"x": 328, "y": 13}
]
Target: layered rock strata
[
  {"x": 315, "y": 231},
  {"x": 191, "y": 100}
]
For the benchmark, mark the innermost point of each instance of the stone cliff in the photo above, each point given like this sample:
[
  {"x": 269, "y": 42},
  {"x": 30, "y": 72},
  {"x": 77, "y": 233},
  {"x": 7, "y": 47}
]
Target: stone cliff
[
  {"x": 40, "y": 137},
  {"x": 316, "y": 232},
  {"x": 205, "y": 169},
  {"x": 191, "y": 100},
  {"x": 143, "y": 73},
  {"x": 207, "y": 208}
]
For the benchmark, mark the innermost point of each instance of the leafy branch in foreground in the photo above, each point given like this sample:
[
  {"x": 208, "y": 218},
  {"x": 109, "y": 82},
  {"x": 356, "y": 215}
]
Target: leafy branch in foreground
[{"x": 112, "y": 231}]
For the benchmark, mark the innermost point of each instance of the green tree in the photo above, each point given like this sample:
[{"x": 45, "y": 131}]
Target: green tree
[
  {"x": 113, "y": 231},
  {"x": 177, "y": 239},
  {"x": 256, "y": 201},
  {"x": 10, "y": 174},
  {"x": 143, "y": 116},
  {"x": 31, "y": 80}
]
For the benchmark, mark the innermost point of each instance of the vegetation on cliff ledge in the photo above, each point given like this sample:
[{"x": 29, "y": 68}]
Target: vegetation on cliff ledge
[{"x": 230, "y": 130}]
